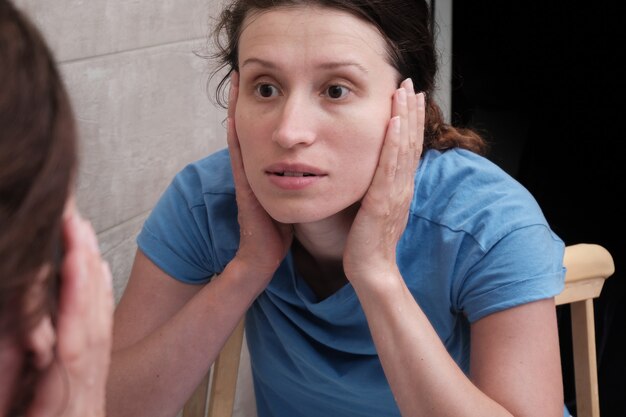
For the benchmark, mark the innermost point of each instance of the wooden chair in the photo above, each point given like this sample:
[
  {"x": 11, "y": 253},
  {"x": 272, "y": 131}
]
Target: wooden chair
[{"x": 588, "y": 265}]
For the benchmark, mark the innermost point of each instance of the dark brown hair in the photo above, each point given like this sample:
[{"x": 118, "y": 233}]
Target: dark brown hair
[
  {"x": 37, "y": 162},
  {"x": 405, "y": 25}
]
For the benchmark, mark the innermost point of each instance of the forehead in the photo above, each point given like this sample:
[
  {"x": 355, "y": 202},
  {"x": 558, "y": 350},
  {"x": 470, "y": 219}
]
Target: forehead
[{"x": 310, "y": 32}]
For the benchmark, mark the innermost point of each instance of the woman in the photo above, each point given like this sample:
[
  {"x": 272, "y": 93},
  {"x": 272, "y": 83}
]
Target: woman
[
  {"x": 384, "y": 267},
  {"x": 56, "y": 301}
]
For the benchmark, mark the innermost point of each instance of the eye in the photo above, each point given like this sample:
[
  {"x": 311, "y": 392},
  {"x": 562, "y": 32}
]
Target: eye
[
  {"x": 337, "y": 92},
  {"x": 266, "y": 90}
]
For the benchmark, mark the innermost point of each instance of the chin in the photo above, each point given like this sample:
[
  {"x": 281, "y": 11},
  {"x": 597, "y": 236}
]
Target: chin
[
  {"x": 309, "y": 213},
  {"x": 295, "y": 215}
]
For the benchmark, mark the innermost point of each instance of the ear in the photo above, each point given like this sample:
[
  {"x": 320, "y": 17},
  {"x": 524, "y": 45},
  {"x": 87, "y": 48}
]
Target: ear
[{"x": 41, "y": 341}]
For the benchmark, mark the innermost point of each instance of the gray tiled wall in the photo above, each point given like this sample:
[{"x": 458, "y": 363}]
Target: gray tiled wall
[{"x": 140, "y": 98}]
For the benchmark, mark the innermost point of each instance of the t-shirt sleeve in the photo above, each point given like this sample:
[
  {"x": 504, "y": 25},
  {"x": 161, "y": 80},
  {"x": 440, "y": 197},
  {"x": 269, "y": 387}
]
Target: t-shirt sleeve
[
  {"x": 525, "y": 265},
  {"x": 175, "y": 236}
]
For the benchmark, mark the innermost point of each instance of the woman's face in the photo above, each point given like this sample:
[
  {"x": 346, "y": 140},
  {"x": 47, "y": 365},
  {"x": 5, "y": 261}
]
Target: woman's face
[{"x": 313, "y": 107}]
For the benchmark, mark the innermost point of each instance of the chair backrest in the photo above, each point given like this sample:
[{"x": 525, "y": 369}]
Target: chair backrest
[{"x": 588, "y": 265}]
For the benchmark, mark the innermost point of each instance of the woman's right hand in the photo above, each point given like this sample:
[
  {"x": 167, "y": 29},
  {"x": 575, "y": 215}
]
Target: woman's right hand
[
  {"x": 264, "y": 242},
  {"x": 74, "y": 384}
]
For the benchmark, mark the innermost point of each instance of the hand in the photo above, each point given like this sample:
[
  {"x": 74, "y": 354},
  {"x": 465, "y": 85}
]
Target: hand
[
  {"x": 371, "y": 246},
  {"x": 74, "y": 385},
  {"x": 263, "y": 241}
]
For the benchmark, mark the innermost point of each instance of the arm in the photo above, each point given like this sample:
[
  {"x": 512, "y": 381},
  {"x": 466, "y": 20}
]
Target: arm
[
  {"x": 168, "y": 333},
  {"x": 515, "y": 365},
  {"x": 510, "y": 374}
]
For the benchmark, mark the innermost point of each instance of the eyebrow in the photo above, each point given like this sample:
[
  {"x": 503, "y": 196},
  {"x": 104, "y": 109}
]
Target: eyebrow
[{"x": 325, "y": 65}]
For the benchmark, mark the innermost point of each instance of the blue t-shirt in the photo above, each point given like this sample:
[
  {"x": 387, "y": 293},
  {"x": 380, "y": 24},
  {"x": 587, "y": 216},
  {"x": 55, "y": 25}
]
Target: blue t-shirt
[{"x": 476, "y": 243}]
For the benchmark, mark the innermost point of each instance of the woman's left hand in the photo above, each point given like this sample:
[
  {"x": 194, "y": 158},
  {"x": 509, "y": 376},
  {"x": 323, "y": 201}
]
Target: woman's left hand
[
  {"x": 371, "y": 247},
  {"x": 74, "y": 385}
]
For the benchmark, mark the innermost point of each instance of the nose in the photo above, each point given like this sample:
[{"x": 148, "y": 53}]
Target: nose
[{"x": 296, "y": 124}]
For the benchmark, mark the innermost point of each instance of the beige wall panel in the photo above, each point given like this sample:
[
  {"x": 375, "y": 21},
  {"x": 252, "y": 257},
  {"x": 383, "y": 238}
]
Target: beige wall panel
[
  {"x": 142, "y": 115},
  {"x": 118, "y": 248},
  {"x": 78, "y": 29}
]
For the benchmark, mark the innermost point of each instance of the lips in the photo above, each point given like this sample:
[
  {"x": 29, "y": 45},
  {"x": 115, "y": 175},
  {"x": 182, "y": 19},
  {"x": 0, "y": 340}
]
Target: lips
[
  {"x": 294, "y": 170},
  {"x": 294, "y": 177}
]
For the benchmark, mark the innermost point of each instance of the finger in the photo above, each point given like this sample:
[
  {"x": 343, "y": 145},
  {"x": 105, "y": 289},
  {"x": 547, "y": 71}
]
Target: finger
[
  {"x": 77, "y": 281},
  {"x": 72, "y": 267},
  {"x": 420, "y": 123},
  {"x": 99, "y": 323},
  {"x": 233, "y": 94},
  {"x": 71, "y": 228},
  {"x": 99, "y": 283},
  {"x": 236, "y": 160},
  {"x": 412, "y": 120},
  {"x": 388, "y": 161},
  {"x": 234, "y": 148},
  {"x": 70, "y": 206},
  {"x": 78, "y": 233},
  {"x": 404, "y": 157}
]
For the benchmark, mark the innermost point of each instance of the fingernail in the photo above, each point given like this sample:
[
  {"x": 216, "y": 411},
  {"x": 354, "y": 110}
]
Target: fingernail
[
  {"x": 421, "y": 99},
  {"x": 90, "y": 236},
  {"x": 401, "y": 95},
  {"x": 70, "y": 206},
  {"x": 395, "y": 124},
  {"x": 408, "y": 84}
]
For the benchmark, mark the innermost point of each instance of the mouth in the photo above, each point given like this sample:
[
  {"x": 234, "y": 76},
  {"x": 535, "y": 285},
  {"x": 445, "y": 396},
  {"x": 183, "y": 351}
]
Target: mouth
[
  {"x": 293, "y": 174},
  {"x": 294, "y": 170}
]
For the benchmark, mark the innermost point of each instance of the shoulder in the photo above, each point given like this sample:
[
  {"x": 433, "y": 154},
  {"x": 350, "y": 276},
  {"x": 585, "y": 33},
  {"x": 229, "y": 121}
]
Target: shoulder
[
  {"x": 209, "y": 175},
  {"x": 192, "y": 232},
  {"x": 465, "y": 192},
  {"x": 482, "y": 233}
]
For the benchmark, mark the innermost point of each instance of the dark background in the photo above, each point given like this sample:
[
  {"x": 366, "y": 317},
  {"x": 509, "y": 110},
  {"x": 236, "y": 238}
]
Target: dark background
[{"x": 544, "y": 83}]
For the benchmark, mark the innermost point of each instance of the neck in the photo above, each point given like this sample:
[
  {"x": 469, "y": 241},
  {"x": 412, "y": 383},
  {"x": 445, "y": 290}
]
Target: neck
[
  {"x": 318, "y": 252},
  {"x": 325, "y": 239}
]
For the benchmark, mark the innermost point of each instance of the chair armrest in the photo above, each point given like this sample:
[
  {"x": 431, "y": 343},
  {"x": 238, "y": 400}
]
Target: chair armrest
[{"x": 588, "y": 265}]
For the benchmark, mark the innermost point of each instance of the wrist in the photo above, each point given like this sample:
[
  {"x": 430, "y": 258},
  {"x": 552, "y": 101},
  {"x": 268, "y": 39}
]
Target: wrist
[
  {"x": 251, "y": 275},
  {"x": 379, "y": 281}
]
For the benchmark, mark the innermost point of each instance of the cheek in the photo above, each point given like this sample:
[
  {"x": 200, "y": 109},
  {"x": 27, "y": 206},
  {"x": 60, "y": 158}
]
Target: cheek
[
  {"x": 362, "y": 143},
  {"x": 361, "y": 154},
  {"x": 247, "y": 134}
]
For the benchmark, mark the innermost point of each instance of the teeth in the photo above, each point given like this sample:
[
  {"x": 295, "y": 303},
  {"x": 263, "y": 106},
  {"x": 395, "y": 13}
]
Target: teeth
[{"x": 296, "y": 174}]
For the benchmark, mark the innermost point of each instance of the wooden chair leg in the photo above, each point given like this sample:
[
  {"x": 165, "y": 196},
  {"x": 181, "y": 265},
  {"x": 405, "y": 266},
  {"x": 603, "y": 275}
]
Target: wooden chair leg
[
  {"x": 585, "y": 367},
  {"x": 225, "y": 371}
]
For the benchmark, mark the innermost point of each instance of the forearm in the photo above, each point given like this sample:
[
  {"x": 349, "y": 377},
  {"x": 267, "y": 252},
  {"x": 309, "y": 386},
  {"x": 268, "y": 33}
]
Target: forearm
[
  {"x": 156, "y": 375},
  {"x": 423, "y": 376}
]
